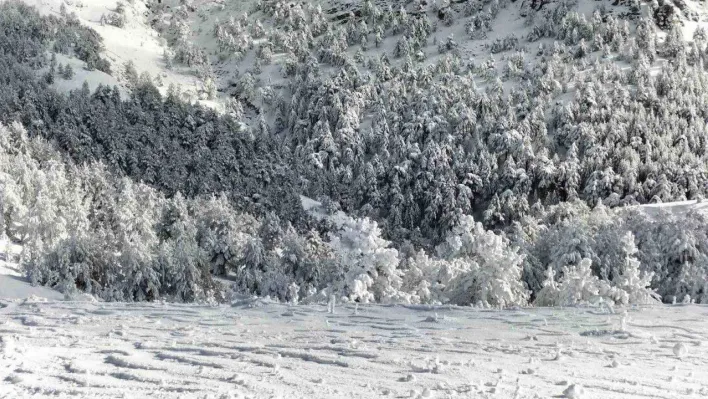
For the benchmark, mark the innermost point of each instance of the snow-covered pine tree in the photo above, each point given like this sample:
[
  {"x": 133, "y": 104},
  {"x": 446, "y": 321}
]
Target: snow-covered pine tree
[
  {"x": 135, "y": 277},
  {"x": 184, "y": 266},
  {"x": 369, "y": 268},
  {"x": 631, "y": 283}
]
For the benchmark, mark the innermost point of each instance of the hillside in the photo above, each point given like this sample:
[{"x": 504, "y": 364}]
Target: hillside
[
  {"x": 472, "y": 153},
  {"x": 494, "y": 198}
]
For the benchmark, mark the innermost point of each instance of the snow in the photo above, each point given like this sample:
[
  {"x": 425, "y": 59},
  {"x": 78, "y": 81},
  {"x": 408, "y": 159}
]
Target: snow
[
  {"x": 676, "y": 208},
  {"x": 574, "y": 392},
  {"x": 136, "y": 42},
  {"x": 13, "y": 284},
  {"x": 260, "y": 349},
  {"x": 255, "y": 348},
  {"x": 680, "y": 350}
]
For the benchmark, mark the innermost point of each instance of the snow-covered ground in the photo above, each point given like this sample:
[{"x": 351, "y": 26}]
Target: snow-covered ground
[
  {"x": 676, "y": 208},
  {"x": 258, "y": 349},
  {"x": 14, "y": 286},
  {"x": 136, "y": 42}
]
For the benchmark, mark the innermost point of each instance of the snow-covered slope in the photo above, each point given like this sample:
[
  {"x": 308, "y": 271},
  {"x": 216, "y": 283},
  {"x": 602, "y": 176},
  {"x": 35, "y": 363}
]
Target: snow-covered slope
[
  {"x": 92, "y": 78},
  {"x": 505, "y": 21},
  {"x": 676, "y": 208},
  {"x": 136, "y": 42},
  {"x": 144, "y": 39},
  {"x": 261, "y": 350},
  {"x": 13, "y": 284}
]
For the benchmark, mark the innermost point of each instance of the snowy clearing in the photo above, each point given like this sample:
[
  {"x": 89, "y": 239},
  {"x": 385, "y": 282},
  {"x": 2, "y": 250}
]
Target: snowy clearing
[{"x": 259, "y": 349}]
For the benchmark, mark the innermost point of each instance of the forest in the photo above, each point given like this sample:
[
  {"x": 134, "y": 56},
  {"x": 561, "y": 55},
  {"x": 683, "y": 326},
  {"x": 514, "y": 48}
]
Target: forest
[{"x": 432, "y": 182}]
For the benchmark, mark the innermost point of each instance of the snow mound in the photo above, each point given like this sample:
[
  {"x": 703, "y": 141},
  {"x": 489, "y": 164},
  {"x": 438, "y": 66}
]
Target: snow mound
[{"x": 13, "y": 285}]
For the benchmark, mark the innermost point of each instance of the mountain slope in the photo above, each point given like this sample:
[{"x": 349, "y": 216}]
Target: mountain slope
[{"x": 419, "y": 120}]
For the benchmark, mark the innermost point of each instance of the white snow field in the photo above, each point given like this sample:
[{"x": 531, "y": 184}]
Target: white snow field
[{"x": 258, "y": 349}]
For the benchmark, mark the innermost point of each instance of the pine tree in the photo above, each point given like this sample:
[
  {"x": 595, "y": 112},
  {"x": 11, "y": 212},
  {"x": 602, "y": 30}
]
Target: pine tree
[
  {"x": 632, "y": 284},
  {"x": 68, "y": 72},
  {"x": 369, "y": 267},
  {"x": 131, "y": 74},
  {"x": 135, "y": 277}
]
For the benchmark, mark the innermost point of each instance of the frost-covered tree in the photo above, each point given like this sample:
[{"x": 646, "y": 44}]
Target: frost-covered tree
[
  {"x": 484, "y": 269},
  {"x": 632, "y": 284},
  {"x": 183, "y": 263},
  {"x": 426, "y": 278},
  {"x": 549, "y": 294},
  {"x": 577, "y": 286},
  {"x": 131, "y": 74},
  {"x": 133, "y": 276},
  {"x": 223, "y": 233},
  {"x": 369, "y": 268}
]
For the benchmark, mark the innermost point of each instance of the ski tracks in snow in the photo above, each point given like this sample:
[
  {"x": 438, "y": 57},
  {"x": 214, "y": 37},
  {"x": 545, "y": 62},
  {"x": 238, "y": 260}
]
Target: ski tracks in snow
[{"x": 107, "y": 350}]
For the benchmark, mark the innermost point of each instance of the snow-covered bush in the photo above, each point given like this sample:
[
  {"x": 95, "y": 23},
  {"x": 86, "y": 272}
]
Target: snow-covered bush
[
  {"x": 510, "y": 42},
  {"x": 310, "y": 261},
  {"x": 577, "y": 286},
  {"x": 425, "y": 279},
  {"x": 115, "y": 19},
  {"x": 675, "y": 251},
  {"x": 484, "y": 269},
  {"x": 223, "y": 233},
  {"x": 549, "y": 294},
  {"x": 190, "y": 55},
  {"x": 369, "y": 268},
  {"x": 78, "y": 263}
]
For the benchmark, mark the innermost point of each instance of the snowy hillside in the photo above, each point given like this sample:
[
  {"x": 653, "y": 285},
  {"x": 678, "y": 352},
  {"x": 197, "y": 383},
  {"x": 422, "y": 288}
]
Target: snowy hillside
[
  {"x": 13, "y": 285},
  {"x": 134, "y": 42},
  {"x": 353, "y": 199},
  {"x": 209, "y": 66}
]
